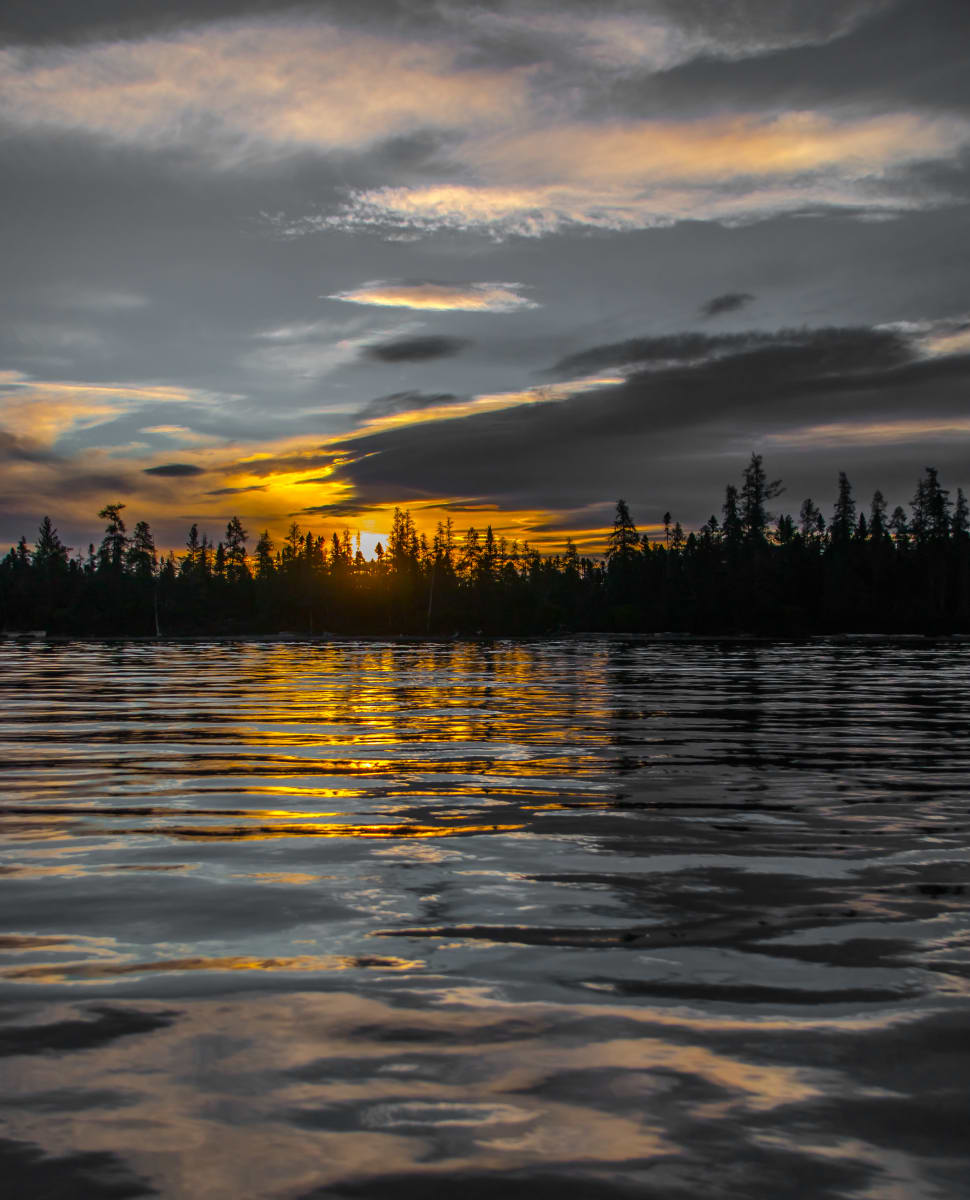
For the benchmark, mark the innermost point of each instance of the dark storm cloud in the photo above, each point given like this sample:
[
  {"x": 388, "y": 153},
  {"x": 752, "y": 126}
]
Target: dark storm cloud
[
  {"x": 398, "y": 402},
  {"x": 725, "y": 303},
  {"x": 174, "y": 470},
  {"x": 667, "y": 437},
  {"x": 417, "y": 349}
]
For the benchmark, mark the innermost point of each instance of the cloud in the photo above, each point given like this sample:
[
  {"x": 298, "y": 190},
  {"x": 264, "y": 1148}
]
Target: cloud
[
  {"x": 445, "y": 408},
  {"x": 839, "y": 433},
  {"x": 515, "y": 120},
  {"x": 664, "y": 435},
  {"x": 418, "y": 349},
  {"x": 439, "y": 297},
  {"x": 671, "y": 349},
  {"x": 20, "y": 449},
  {"x": 237, "y": 491},
  {"x": 401, "y": 402},
  {"x": 98, "y": 300},
  {"x": 254, "y": 89},
  {"x": 725, "y": 303},
  {"x": 174, "y": 470},
  {"x": 305, "y": 351},
  {"x": 637, "y": 174}
]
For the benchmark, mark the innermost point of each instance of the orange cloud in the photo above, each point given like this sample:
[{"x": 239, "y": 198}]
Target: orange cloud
[
  {"x": 638, "y": 174},
  {"x": 253, "y": 89},
  {"x": 873, "y": 433},
  {"x": 439, "y": 297}
]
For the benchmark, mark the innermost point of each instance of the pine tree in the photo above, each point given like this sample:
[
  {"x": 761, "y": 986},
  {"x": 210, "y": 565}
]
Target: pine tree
[
  {"x": 50, "y": 553},
  {"x": 236, "y": 567},
  {"x": 624, "y": 541},
  {"x": 899, "y": 528},
  {"x": 193, "y": 550},
  {"x": 264, "y": 555},
  {"x": 111, "y": 555},
  {"x": 961, "y": 518},
  {"x": 843, "y": 518},
  {"x": 141, "y": 557},
  {"x": 756, "y": 491},
  {"x": 878, "y": 529},
  {"x": 808, "y": 520},
  {"x": 733, "y": 528}
]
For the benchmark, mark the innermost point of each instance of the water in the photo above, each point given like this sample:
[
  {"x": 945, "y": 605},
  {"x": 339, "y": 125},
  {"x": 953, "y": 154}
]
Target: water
[{"x": 596, "y": 918}]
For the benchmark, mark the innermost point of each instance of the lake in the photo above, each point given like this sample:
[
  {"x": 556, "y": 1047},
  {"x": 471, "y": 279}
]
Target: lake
[{"x": 594, "y": 918}]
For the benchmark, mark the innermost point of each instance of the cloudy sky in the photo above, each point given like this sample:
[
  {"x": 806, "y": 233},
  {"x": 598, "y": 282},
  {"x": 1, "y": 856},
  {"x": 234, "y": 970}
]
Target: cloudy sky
[{"x": 509, "y": 261}]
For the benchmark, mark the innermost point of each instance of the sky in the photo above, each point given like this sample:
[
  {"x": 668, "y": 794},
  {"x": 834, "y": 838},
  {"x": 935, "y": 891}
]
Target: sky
[{"x": 503, "y": 261}]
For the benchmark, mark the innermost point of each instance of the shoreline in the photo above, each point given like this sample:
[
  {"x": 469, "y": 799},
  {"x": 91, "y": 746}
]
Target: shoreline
[{"x": 39, "y": 635}]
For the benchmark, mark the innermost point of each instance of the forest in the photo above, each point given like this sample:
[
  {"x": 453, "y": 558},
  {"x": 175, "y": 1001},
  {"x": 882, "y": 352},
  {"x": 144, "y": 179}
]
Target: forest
[{"x": 859, "y": 570}]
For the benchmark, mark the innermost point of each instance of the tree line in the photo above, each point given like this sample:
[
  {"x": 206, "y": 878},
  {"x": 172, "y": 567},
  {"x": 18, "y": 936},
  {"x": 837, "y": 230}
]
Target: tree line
[{"x": 865, "y": 570}]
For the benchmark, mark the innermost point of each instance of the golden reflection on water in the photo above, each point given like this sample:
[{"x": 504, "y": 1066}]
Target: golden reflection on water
[{"x": 60, "y": 972}]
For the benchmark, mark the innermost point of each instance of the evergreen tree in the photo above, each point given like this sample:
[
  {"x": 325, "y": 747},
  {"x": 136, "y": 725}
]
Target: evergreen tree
[
  {"x": 624, "y": 541},
  {"x": 141, "y": 557},
  {"x": 756, "y": 491},
  {"x": 808, "y": 520},
  {"x": 111, "y": 556},
  {"x": 264, "y": 555},
  {"x": 50, "y": 553},
  {"x": 236, "y": 567},
  {"x": 878, "y": 528},
  {"x": 961, "y": 518},
  {"x": 193, "y": 548},
  {"x": 899, "y": 528},
  {"x": 733, "y": 527},
  {"x": 843, "y": 518}
]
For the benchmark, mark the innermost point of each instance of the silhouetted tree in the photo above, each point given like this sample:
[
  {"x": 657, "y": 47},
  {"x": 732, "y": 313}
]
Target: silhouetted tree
[
  {"x": 236, "y": 567},
  {"x": 141, "y": 557},
  {"x": 756, "y": 491},
  {"x": 843, "y": 519},
  {"x": 114, "y": 543}
]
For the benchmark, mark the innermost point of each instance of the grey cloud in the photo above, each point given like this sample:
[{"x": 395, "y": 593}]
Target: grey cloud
[
  {"x": 784, "y": 20},
  {"x": 282, "y": 463},
  {"x": 67, "y": 21},
  {"x": 397, "y": 402},
  {"x": 71, "y": 484},
  {"x": 725, "y": 303},
  {"x": 18, "y": 449},
  {"x": 174, "y": 470},
  {"x": 237, "y": 491},
  {"x": 833, "y": 349},
  {"x": 663, "y": 438},
  {"x": 341, "y": 508},
  {"x": 417, "y": 349},
  {"x": 923, "y": 40}
]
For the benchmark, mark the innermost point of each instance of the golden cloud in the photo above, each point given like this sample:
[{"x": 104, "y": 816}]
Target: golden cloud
[
  {"x": 250, "y": 89},
  {"x": 870, "y": 433},
  {"x": 640, "y": 174},
  {"x": 47, "y": 410},
  {"x": 439, "y": 297},
  {"x": 525, "y": 157}
]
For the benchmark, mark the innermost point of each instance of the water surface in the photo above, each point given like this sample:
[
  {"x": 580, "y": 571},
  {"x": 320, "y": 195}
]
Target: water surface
[{"x": 592, "y": 918}]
